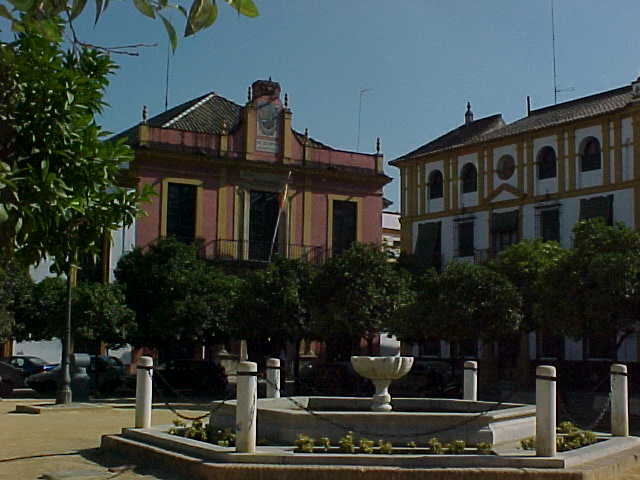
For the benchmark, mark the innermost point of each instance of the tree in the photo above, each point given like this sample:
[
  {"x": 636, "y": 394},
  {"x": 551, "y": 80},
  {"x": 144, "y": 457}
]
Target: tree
[
  {"x": 465, "y": 301},
  {"x": 176, "y": 296},
  {"x": 356, "y": 293},
  {"x": 46, "y": 15},
  {"x": 595, "y": 289},
  {"x": 15, "y": 293},
  {"x": 275, "y": 306},
  {"x": 99, "y": 313}
]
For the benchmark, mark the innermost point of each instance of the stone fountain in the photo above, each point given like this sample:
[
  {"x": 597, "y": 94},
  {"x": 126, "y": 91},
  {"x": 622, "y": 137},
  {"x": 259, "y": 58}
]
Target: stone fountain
[{"x": 382, "y": 371}]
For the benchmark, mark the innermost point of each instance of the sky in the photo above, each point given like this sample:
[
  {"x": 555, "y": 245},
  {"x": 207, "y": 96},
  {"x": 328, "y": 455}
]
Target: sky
[{"x": 421, "y": 61}]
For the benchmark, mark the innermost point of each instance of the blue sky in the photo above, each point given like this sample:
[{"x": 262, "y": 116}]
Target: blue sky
[{"x": 423, "y": 60}]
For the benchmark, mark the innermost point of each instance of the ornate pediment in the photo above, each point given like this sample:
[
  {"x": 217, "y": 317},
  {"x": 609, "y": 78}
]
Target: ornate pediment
[{"x": 505, "y": 192}]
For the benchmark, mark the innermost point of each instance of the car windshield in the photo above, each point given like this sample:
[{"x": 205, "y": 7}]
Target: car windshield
[{"x": 37, "y": 361}]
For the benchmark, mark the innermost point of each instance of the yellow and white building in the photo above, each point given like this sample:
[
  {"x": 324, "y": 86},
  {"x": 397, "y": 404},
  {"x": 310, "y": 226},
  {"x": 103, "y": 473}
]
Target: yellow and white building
[{"x": 487, "y": 184}]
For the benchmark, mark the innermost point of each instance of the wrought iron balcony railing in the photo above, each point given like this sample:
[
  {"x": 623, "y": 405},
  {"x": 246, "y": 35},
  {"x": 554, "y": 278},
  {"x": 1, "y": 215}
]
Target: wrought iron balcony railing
[{"x": 258, "y": 251}]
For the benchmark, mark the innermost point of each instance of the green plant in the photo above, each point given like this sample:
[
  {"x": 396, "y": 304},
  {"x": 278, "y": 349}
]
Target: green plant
[
  {"x": 304, "y": 443},
  {"x": 566, "y": 427},
  {"x": 483, "y": 448},
  {"x": 434, "y": 446},
  {"x": 196, "y": 431},
  {"x": 346, "y": 443},
  {"x": 325, "y": 443},
  {"x": 385, "y": 448},
  {"x": 528, "y": 443},
  {"x": 411, "y": 444},
  {"x": 221, "y": 437},
  {"x": 366, "y": 445},
  {"x": 456, "y": 447}
]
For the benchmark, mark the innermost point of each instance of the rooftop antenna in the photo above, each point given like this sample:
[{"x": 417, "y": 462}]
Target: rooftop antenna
[
  {"x": 166, "y": 89},
  {"x": 362, "y": 92},
  {"x": 556, "y": 89}
]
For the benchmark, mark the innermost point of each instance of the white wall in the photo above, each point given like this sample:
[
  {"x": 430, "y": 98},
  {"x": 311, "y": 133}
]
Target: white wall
[{"x": 122, "y": 242}]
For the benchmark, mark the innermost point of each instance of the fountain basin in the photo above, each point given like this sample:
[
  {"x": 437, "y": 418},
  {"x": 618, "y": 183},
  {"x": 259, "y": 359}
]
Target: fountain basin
[
  {"x": 382, "y": 371},
  {"x": 280, "y": 420}
]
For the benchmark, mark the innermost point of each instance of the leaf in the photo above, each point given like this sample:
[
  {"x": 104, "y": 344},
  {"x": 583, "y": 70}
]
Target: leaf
[
  {"x": 173, "y": 38},
  {"x": 22, "y": 5},
  {"x": 201, "y": 15},
  {"x": 4, "y": 216},
  {"x": 99, "y": 10},
  {"x": 77, "y": 8},
  {"x": 144, "y": 8},
  {"x": 245, "y": 7},
  {"x": 5, "y": 13}
]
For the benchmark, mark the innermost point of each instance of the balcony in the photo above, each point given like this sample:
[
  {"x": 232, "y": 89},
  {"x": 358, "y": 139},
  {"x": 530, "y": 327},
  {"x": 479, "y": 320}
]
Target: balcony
[{"x": 258, "y": 251}]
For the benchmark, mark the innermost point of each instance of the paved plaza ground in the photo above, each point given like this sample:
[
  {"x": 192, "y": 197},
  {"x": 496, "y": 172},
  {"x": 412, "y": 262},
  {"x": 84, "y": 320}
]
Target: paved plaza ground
[{"x": 64, "y": 445}]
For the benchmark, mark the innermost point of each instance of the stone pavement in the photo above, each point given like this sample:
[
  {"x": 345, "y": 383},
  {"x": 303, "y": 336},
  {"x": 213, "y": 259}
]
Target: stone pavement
[{"x": 63, "y": 445}]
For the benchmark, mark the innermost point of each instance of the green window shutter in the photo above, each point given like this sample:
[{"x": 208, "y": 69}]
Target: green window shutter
[
  {"x": 505, "y": 222},
  {"x": 597, "y": 207},
  {"x": 428, "y": 242},
  {"x": 550, "y": 225}
]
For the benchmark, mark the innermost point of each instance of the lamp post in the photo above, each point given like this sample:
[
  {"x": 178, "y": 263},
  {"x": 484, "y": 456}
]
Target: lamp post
[{"x": 64, "y": 395}]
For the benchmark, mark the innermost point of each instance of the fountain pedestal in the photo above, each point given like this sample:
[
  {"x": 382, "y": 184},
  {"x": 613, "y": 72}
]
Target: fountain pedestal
[{"x": 382, "y": 371}]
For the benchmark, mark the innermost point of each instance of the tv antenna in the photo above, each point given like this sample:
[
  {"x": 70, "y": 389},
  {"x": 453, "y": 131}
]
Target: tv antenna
[
  {"x": 362, "y": 92},
  {"x": 556, "y": 89}
]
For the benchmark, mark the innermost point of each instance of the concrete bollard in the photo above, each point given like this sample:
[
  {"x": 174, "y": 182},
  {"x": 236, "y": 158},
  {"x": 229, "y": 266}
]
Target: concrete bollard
[
  {"x": 545, "y": 411},
  {"x": 470, "y": 381},
  {"x": 144, "y": 392},
  {"x": 246, "y": 407},
  {"x": 619, "y": 401},
  {"x": 273, "y": 378}
]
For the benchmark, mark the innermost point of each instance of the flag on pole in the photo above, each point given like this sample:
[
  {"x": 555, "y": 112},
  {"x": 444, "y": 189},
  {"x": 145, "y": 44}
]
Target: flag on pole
[{"x": 282, "y": 204}]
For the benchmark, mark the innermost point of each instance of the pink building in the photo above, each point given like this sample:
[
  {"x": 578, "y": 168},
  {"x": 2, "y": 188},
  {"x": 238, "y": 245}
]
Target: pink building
[{"x": 220, "y": 171}]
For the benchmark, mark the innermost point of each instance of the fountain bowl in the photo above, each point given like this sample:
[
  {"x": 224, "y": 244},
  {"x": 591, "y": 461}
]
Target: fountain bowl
[{"x": 382, "y": 368}]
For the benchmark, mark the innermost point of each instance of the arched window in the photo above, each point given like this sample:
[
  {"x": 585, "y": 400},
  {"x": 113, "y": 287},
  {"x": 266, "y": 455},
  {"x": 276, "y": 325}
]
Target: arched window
[
  {"x": 435, "y": 184},
  {"x": 546, "y": 163},
  {"x": 469, "y": 178},
  {"x": 590, "y": 159}
]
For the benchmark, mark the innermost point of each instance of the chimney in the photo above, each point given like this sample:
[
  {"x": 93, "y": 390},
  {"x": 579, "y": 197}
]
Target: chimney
[
  {"x": 468, "y": 116},
  {"x": 261, "y": 88}
]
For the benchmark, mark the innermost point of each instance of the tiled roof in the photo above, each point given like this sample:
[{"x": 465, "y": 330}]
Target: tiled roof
[
  {"x": 205, "y": 114},
  {"x": 566, "y": 112},
  {"x": 459, "y": 136}
]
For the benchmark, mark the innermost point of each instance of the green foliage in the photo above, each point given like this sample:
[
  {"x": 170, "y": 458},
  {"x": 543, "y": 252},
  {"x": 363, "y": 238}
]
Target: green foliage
[
  {"x": 412, "y": 444},
  {"x": 569, "y": 437},
  {"x": 45, "y": 16},
  {"x": 435, "y": 446},
  {"x": 58, "y": 177},
  {"x": 464, "y": 301},
  {"x": 483, "y": 448},
  {"x": 176, "y": 295},
  {"x": 384, "y": 447},
  {"x": 204, "y": 433},
  {"x": 98, "y": 312},
  {"x": 304, "y": 443},
  {"x": 526, "y": 264},
  {"x": 366, "y": 445},
  {"x": 528, "y": 443},
  {"x": 595, "y": 287},
  {"x": 356, "y": 293},
  {"x": 566, "y": 427},
  {"x": 346, "y": 443},
  {"x": 275, "y": 304},
  {"x": 325, "y": 443},
  {"x": 16, "y": 289},
  {"x": 456, "y": 447}
]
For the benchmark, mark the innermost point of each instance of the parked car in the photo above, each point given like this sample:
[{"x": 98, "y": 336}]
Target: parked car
[
  {"x": 10, "y": 378},
  {"x": 30, "y": 364},
  {"x": 106, "y": 374},
  {"x": 196, "y": 376}
]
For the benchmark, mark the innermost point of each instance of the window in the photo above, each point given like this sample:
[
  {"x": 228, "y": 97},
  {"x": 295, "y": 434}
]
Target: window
[
  {"x": 428, "y": 244},
  {"x": 263, "y": 216},
  {"x": 345, "y": 224},
  {"x": 181, "y": 211},
  {"x": 465, "y": 239},
  {"x": 469, "y": 178},
  {"x": 504, "y": 230},
  {"x": 590, "y": 159},
  {"x": 546, "y": 163},
  {"x": 435, "y": 184},
  {"x": 597, "y": 207},
  {"x": 550, "y": 225}
]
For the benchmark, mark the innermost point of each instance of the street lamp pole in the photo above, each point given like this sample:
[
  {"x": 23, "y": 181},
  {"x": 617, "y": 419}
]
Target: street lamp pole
[
  {"x": 362, "y": 92},
  {"x": 64, "y": 395}
]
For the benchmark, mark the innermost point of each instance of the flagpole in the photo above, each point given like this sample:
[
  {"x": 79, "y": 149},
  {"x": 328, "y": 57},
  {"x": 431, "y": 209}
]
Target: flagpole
[{"x": 280, "y": 209}]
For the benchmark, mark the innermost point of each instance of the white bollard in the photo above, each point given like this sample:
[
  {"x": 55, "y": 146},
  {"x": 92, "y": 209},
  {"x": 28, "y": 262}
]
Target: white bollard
[
  {"x": 470, "y": 381},
  {"x": 144, "y": 392},
  {"x": 246, "y": 407},
  {"x": 273, "y": 378},
  {"x": 619, "y": 401},
  {"x": 545, "y": 411}
]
